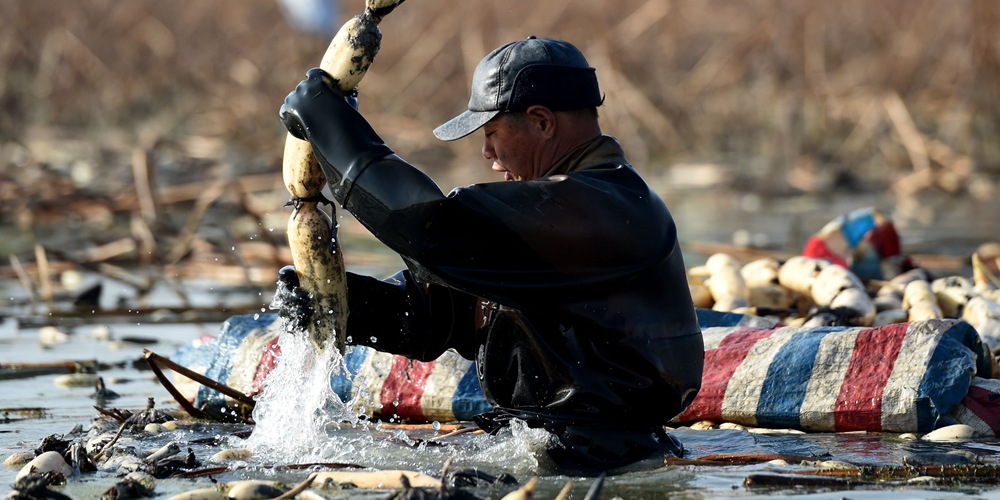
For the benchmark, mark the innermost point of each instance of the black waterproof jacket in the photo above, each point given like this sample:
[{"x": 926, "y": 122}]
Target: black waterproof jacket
[
  {"x": 569, "y": 291},
  {"x": 586, "y": 315}
]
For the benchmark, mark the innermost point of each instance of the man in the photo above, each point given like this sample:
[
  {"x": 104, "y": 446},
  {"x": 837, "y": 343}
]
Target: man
[{"x": 567, "y": 285}]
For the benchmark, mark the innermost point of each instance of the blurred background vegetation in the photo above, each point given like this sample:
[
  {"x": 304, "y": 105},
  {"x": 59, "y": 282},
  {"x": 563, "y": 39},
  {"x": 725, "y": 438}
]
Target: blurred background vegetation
[{"x": 146, "y": 131}]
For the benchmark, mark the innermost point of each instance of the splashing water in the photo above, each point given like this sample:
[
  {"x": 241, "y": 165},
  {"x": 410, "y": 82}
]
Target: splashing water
[
  {"x": 300, "y": 419},
  {"x": 297, "y": 400}
]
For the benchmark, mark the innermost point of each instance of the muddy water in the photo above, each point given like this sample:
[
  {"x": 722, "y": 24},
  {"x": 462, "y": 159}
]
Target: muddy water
[{"x": 946, "y": 227}]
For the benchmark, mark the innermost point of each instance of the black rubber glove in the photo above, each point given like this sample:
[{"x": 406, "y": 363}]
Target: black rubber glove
[
  {"x": 343, "y": 141},
  {"x": 292, "y": 302}
]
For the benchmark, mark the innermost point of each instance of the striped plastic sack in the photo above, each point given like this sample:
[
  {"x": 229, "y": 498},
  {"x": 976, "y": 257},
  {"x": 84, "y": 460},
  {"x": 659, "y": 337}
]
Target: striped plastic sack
[
  {"x": 446, "y": 389},
  {"x": 897, "y": 378},
  {"x": 980, "y": 409},
  {"x": 863, "y": 241},
  {"x": 231, "y": 358},
  {"x": 708, "y": 318}
]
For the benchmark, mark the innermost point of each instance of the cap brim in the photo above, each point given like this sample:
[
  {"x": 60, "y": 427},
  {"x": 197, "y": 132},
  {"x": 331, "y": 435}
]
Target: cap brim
[{"x": 463, "y": 124}]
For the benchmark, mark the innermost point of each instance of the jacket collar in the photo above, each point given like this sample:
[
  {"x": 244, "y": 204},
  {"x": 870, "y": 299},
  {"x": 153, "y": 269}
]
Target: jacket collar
[{"x": 598, "y": 151}]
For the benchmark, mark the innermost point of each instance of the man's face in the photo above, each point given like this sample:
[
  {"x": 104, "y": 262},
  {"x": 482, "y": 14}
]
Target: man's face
[{"x": 514, "y": 146}]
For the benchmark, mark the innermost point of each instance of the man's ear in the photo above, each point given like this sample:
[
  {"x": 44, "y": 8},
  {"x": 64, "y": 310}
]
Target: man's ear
[{"x": 543, "y": 119}]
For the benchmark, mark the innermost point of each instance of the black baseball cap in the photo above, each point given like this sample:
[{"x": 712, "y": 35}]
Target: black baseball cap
[{"x": 543, "y": 71}]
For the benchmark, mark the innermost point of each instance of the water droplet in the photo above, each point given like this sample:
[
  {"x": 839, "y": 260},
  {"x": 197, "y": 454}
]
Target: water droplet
[{"x": 373, "y": 339}]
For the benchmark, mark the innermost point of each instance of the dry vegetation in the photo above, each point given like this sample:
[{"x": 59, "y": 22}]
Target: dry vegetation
[{"x": 152, "y": 124}]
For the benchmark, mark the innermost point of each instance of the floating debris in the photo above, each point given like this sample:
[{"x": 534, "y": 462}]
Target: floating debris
[
  {"x": 391, "y": 478},
  {"x": 248, "y": 403},
  {"x": 954, "y": 457},
  {"x": 148, "y": 416},
  {"x": 957, "y": 432},
  {"x": 35, "y": 486},
  {"x": 76, "y": 380},
  {"x": 201, "y": 494},
  {"x": 53, "y": 442},
  {"x": 726, "y": 459},
  {"x": 133, "y": 485},
  {"x": 48, "y": 462},
  {"x": 18, "y": 458},
  {"x": 595, "y": 488},
  {"x": 168, "y": 450},
  {"x": 101, "y": 332},
  {"x": 78, "y": 457},
  {"x": 231, "y": 454},
  {"x": 255, "y": 488},
  {"x": 173, "y": 465},
  {"x": 525, "y": 492},
  {"x": 883, "y": 476},
  {"x": 50, "y": 335},
  {"x": 9, "y": 371},
  {"x": 102, "y": 394}
]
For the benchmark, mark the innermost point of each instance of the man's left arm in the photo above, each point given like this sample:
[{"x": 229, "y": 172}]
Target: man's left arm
[{"x": 402, "y": 316}]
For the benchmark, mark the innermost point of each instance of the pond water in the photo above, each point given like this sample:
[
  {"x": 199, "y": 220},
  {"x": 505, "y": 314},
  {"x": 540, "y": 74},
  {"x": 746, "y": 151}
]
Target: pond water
[
  {"x": 777, "y": 223},
  {"x": 513, "y": 453}
]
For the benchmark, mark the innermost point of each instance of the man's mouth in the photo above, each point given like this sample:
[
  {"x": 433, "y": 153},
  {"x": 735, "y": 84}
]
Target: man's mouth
[{"x": 496, "y": 167}]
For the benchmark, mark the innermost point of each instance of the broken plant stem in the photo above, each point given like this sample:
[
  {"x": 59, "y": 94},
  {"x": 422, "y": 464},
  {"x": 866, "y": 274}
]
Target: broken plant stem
[{"x": 156, "y": 359}]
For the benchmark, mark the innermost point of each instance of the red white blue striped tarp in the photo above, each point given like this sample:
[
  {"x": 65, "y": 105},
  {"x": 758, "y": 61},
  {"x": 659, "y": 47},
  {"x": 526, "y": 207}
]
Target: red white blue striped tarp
[
  {"x": 981, "y": 407},
  {"x": 446, "y": 389},
  {"x": 902, "y": 378}
]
